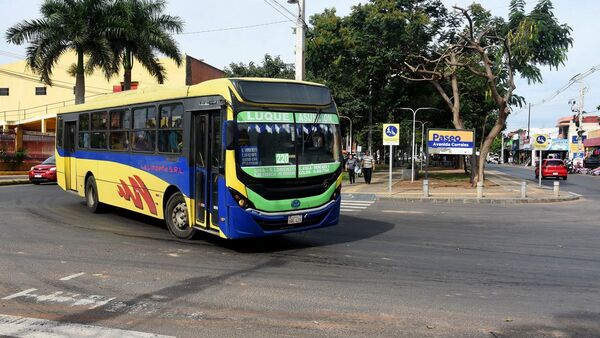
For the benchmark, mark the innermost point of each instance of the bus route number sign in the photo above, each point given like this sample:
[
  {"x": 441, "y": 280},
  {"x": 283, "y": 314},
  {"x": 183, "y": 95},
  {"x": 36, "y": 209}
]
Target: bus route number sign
[{"x": 391, "y": 134}]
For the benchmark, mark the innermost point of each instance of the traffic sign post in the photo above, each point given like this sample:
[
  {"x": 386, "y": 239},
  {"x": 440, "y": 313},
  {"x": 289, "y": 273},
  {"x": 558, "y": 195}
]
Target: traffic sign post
[
  {"x": 541, "y": 142},
  {"x": 391, "y": 137}
]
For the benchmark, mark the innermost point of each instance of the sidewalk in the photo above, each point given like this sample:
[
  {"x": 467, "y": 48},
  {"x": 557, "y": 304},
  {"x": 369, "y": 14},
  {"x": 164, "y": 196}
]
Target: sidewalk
[
  {"x": 13, "y": 179},
  {"x": 498, "y": 188}
]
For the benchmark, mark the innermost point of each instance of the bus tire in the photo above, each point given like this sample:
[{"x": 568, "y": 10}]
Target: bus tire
[
  {"x": 91, "y": 196},
  {"x": 177, "y": 217}
]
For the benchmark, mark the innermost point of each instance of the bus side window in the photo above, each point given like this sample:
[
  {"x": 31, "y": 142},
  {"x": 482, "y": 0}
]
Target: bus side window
[
  {"x": 170, "y": 134},
  {"x": 143, "y": 137},
  {"x": 84, "y": 131}
]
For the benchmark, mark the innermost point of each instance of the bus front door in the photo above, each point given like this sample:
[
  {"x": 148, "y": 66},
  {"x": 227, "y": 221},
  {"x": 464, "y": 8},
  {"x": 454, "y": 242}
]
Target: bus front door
[
  {"x": 70, "y": 160},
  {"x": 207, "y": 158},
  {"x": 201, "y": 128}
]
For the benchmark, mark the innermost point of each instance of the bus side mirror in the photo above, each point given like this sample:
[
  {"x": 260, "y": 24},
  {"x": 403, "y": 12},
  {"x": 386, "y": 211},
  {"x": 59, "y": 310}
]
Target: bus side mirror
[{"x": 230, "y": 130}]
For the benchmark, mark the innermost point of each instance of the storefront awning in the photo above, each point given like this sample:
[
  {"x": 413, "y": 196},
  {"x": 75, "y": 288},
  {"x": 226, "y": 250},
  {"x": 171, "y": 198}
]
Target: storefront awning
[{"x": 592, "y": 142}]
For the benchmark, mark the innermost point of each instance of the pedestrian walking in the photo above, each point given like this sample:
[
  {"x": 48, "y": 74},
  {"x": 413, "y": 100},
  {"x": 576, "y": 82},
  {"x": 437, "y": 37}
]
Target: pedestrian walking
[
  {"x": 368, "y": 165},
  {"x": 351, "y": 163}
]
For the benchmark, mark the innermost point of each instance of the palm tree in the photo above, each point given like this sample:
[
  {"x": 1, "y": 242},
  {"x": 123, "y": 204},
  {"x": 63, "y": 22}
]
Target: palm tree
[
  {"x": 146, "y": 31},
  {"x": 82, "y": 26}
]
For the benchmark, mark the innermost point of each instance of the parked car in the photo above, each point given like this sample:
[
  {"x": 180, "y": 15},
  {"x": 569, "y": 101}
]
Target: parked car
[
  {"x": 552, "y": 168},
  {"x": 44, "y": 172}
]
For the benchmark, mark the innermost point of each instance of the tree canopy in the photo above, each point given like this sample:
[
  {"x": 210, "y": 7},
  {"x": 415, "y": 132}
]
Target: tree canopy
[
  {"x": 81, "y": 26},
  {"x": 271, "y": 67}
]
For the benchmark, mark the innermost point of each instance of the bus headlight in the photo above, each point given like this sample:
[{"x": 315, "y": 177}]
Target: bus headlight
[{"x": 240, "y": 199}]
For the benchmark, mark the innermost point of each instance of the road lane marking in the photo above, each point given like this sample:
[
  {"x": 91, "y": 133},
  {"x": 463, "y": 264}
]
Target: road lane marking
[
  {"x": 19, "y": 294},
  {"x": 32, "y": 327},
  {"x": 74, "y": 299},
  {"x": 353, "y": 207},
  {"x": 73, "y": 276},
  {"x": 403, "y": 211}
]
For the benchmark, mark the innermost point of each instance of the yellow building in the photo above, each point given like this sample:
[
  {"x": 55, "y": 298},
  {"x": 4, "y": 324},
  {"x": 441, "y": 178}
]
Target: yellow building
[{"x": 28, "y": 104}]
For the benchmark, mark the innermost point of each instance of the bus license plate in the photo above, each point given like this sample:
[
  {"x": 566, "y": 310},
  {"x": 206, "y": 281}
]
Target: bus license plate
[{"x": 295, "y": 219}]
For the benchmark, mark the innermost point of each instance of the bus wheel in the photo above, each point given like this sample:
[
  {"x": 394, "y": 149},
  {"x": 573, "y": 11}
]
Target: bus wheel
[
  {"x": 176, "y": 216},
  {"x": 91, "y": 196}
]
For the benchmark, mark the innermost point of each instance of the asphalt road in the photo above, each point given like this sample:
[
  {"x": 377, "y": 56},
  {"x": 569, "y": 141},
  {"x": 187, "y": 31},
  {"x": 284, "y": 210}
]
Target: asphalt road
[
  {"x": 585, "y": 185},
  {"x": 389, "y": 269}
]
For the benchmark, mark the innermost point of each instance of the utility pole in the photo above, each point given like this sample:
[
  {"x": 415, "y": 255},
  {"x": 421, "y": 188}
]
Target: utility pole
[
  {"x": 529, "y": 121},
  {"x": 300, "y": 39},
  {"x": 580, "y": 117}
]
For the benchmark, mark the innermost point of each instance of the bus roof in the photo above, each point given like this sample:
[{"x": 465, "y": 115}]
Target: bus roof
[{"x": 166, "y": 92}]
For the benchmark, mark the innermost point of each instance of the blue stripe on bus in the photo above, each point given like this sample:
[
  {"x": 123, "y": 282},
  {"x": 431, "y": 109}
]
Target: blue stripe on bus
[{"x": 171, "y": 169}]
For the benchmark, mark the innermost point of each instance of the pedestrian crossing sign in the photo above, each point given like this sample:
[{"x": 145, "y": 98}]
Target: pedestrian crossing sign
[{"x": 391, "y": 134}]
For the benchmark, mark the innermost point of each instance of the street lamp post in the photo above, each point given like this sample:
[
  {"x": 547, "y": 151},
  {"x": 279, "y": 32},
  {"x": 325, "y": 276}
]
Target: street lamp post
[
  {"x": 412, "y": 160},
  {"x": 350, "y": 120},
  {"x": 422, "y": 138},
  {"x": 300, "y": 39}
]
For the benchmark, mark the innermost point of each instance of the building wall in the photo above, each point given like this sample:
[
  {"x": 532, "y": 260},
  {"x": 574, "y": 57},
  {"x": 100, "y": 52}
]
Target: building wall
[{"x": 23, "y": 106}]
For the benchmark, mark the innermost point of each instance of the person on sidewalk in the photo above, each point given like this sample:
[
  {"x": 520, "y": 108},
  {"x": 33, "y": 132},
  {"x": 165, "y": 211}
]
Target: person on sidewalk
[
  {"x": 368, "y": 165},
  {"x": 351, "y": 163}
]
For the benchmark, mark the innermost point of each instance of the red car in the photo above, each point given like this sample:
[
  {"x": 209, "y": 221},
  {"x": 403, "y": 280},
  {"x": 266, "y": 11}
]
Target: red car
[
  {"x": 552, "y": 168},
  {"x": 45, "y": 172}
]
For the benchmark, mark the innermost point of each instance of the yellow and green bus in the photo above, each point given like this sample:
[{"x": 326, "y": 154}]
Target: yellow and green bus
[{"x": 238, "y": 157}]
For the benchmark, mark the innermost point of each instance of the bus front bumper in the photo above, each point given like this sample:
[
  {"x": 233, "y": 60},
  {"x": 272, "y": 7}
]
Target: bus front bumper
[{"x": 254, "y": 223}]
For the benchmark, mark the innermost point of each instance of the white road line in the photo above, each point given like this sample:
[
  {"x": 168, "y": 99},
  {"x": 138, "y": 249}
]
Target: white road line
[
  {"x": 358, "y": 202},
  {"x": 19, "y": 294},
  {"x": 33, "y": 328},
  {"x": 353, "y": 207},
  {"x": 348, "y": 210},
  {"x": 403, "y": 211},
  {"x": 73, "y": 276}
]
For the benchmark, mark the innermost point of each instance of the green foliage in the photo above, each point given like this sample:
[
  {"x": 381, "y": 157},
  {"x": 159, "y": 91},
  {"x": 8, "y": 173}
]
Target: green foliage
[
  {"x": 270, "y": 67},
  {"x": 360, "y": 57},
  {"x": 496, "y": 146},
  {"x": 14, "y": 160},
  {"x": 143, "y": 31},
  {"x": 81, "y": 26}
]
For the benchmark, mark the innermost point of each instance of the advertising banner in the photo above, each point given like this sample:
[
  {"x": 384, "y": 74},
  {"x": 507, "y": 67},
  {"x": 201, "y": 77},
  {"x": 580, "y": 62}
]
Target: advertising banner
[
  {"x": 558, "y": 144},
  {"x": 391, "y": 134},
  {"x": 450, "y": 141}
]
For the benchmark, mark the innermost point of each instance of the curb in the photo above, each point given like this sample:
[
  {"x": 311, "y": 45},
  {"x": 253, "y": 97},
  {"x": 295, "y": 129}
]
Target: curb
[
  {"x": 473, "y": 200},
  {"x": 13, "y": 182}
]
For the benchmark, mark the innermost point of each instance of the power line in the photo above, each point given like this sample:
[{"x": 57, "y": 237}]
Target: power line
[
  {"x": 234, "y": 28},
  {"x": 279, "y": 11},
  {"x": 291, "y": 13}
]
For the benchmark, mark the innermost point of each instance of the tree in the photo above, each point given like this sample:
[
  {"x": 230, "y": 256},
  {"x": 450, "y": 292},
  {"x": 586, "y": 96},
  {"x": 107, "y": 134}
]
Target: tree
[
  {"x": 495, "y": 51},
  {"x": 142, "y": 31},
  {"x": 271, "y": 67},
  {"x": 81, "y": 26},
  {"x": 360, "y": 57}
]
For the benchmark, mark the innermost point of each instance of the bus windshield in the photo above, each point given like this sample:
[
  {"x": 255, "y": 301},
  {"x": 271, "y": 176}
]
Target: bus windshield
[{"x": 276, "y": 148}]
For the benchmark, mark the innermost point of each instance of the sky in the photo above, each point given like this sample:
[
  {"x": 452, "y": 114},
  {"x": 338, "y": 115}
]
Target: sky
[{"x": 268, "y": 31}]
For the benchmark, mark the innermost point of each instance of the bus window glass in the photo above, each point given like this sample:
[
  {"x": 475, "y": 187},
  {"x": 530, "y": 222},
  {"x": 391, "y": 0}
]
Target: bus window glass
[
  {"x": 151, "y": 119},
  {"x": 318, "y": 143},
  {"x": 264, "y": 144},
  {"x": 143, "y": 140},
  {"x": 98, "y": 140},
  {"x": 84, "y": 122},
  {"x": 119, "y": 119},
  {"x": 84, "y": 140},
  {"x": 217, "y": 144},
  {"x": 59, "y": 132},
  {"x": 170, "y": 141},
  {"x": 118, "y": 140},
  {"x": 99, "y": 121},
  {"x": 139, "y": 118}
]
